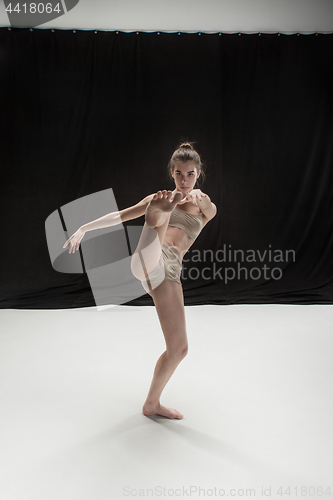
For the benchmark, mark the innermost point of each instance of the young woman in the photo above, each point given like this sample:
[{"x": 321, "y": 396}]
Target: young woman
[{"x": 173, "y": 220}]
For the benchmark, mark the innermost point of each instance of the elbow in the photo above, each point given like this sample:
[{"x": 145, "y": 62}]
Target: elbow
[{"x": 215, "y": 210}]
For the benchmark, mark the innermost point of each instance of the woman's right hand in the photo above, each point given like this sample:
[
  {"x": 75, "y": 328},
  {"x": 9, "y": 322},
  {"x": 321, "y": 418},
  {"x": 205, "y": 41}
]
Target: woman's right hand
[{"x": 74, "y": 240}]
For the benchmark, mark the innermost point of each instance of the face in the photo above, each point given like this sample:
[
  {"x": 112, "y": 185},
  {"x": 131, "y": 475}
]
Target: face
[{"x": 185, "y": 175}]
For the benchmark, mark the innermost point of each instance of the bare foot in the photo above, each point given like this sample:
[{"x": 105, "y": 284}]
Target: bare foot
[
  {"x": 162, "y": 202},
  {"x": 149, "y": 410}
]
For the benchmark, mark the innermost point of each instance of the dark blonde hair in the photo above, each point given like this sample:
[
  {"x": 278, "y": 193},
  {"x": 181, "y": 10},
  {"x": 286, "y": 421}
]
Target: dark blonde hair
[{"x": 186, "y": 152}]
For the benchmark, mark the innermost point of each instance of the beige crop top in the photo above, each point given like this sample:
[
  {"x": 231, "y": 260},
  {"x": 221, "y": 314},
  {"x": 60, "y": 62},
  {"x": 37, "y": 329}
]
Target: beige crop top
[{"x": 190, "y": 223}]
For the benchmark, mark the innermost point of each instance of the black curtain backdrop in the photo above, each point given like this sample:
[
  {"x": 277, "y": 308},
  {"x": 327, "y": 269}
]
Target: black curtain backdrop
[{"x": 83, "y": 112}]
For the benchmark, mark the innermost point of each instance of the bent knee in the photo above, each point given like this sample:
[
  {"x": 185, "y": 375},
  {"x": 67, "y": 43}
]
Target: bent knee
[
  {"x": 184, "y": 351},
  {"x": 179, "y": 352}
]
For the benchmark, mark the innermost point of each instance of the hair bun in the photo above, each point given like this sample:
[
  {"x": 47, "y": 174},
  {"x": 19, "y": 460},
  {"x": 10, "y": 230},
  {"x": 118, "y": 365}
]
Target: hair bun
[{"x": 186, "y": 145}]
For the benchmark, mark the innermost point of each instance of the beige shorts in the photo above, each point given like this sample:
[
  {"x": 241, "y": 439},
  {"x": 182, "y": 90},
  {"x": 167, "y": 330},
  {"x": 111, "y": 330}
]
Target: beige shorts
[{"x": 169, "y": 268}]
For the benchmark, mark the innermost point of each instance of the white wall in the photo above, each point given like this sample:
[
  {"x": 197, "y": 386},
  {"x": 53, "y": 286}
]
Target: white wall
[{"x": 195, "y": 15}]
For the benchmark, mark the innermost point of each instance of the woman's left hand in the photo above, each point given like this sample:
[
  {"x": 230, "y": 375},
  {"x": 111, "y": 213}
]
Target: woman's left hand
[{"x": 193, "y": 196}]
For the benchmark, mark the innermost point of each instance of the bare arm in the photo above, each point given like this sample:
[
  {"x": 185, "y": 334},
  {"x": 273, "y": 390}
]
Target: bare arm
[
  {"x": 207, "y": 207},
  {"x": 202, "y": 200},
  {"x": 136, "y": 210},
  {"x": 111, "y": 219},
  {"x": 114, "y": 218}
]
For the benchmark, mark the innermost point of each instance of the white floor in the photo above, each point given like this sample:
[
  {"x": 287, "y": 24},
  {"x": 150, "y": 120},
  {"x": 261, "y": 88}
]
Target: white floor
[{"x": 255, "y": 391}]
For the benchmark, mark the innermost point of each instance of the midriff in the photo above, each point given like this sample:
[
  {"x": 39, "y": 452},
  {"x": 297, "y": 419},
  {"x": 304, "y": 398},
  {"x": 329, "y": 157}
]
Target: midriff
[{"x": 178, "y": 239}]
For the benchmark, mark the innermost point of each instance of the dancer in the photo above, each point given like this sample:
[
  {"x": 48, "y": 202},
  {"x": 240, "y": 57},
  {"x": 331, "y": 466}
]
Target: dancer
[{"x": 168, "y": 233}]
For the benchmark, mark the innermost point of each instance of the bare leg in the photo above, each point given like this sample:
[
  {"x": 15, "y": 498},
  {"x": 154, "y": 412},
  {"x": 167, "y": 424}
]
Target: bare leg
[
  {"x": 147, "y": 254},
  {"x": 169, "y": 302},
  {"x": 168, "y": 299},
  {"x": 162, "y": 203}
]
